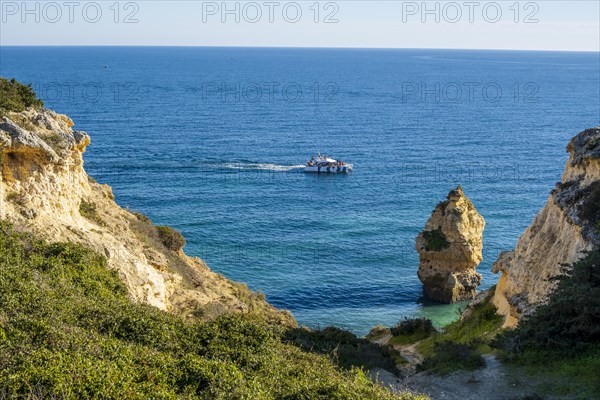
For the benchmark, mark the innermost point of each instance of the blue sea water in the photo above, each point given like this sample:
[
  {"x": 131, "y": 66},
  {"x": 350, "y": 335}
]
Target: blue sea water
[{"x": 209, "y": 140}]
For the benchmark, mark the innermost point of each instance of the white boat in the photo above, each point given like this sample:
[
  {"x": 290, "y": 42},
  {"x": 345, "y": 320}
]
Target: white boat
[{"x": 327, "y": 165}]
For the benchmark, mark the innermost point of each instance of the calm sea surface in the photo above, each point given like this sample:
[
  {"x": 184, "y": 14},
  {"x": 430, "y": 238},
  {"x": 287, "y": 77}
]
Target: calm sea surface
[{"x": 209, "y": 140}]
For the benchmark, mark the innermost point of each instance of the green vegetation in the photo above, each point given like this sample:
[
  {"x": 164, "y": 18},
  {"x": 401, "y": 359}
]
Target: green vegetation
[
  {"x": 377, "y": 333},
  {"x": 461, "y": 344},
  {"x": 15, "y": 96},
  {"x": 558, "y": 347},
  {"x": 435, "y": 240},
  {"x": 16, "y": 198},
  {"x": 88, "y": 210},
  {"x": 449, "y": 356},
  {"x": 561, "y": 340},
  {"x": 68, "y": 330},
  {"x": 344, "y": 348},
  {"x": 170, "y": 238},
  {"x": 410, "y": 331},
  {"x": 166, "y": 236},
  {"x": 140, "y": 216},
  {"x": 573, "y": 375},
  {"x": 589, "y": 209}
]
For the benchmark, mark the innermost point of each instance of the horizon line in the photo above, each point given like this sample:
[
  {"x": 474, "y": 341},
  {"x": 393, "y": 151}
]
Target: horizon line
[{"x": 300, "y": 47}]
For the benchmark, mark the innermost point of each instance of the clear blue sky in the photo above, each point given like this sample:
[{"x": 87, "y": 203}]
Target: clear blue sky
[{"x": 537, "y": 25}]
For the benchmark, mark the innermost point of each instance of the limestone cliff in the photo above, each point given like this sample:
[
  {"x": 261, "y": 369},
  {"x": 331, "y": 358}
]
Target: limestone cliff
[
  {"x": 567, "y": 225},
  {"x": 450, "y": 248},
  {"x": 45, "y": 189}
]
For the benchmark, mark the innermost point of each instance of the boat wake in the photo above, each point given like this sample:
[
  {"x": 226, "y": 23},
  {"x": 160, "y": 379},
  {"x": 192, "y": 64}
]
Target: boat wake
[{"x": 262, "y": 167}]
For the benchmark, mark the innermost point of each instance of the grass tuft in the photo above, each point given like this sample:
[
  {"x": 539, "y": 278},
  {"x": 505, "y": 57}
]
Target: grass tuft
[
  {"x": 88, "y": 210},
  {"x": 435, "y": 240}
]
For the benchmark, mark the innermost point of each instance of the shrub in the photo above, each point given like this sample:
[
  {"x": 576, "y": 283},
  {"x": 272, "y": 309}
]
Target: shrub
[
  {"x": 589, "y": 209},
  {"x": 449, "y": 357},
  {"x": 377, "y": 332},
  {"x": 412, "y": 330},
  {"x": 435, "y": 240},
  {"x": 69, "y": 331},
  {"x": 170, "y": 238},
  {"x": 344, "y": 347},
  {"x": 476, "y": 330},
  {"x": 88, "y": 210},
  {"x": 15, "y": 96}
]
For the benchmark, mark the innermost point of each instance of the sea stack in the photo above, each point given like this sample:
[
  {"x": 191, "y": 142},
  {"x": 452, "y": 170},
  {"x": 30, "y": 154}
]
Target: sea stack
[{"x": 450, "y": 249}]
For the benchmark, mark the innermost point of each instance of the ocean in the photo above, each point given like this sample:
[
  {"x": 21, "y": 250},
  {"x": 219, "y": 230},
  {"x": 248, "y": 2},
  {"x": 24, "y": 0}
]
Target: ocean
[{"x": 212, "y": 140}]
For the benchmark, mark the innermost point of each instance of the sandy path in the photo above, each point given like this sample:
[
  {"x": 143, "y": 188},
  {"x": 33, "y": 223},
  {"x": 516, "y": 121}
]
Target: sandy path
[{"x": 493, "y": 382}]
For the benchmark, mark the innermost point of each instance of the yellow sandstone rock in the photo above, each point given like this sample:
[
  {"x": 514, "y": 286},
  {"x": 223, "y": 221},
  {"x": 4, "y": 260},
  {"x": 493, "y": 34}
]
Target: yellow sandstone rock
[
  {"x": 558, "y": 234},
  {"x": 450, "y": 248},
  {"x": 45, "y": 189}
]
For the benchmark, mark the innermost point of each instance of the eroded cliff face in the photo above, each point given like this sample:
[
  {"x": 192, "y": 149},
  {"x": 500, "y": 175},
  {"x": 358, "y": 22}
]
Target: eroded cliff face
[
  {"x": 450, "y": 248},
  {"x": 45, "y": 189},
  {"x": 558, "y": 235}
]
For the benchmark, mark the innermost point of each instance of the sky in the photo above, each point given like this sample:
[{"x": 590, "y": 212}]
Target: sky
[{"x": 519, "y": 25}]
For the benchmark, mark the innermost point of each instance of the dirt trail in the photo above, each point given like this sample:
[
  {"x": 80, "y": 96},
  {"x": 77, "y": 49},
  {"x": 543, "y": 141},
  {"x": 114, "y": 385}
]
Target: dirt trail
[{"x": 493, "y": 382}]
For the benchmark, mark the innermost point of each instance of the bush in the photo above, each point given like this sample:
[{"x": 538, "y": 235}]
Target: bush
[
  {"x": 412, "y": 330},
  {"x": 410, "y": 326},
  {"x": 69, "y": 331},
  {"x": 589, "y": 210},
  {"x": 88, "y": 210},
  {"x": 344, "y": 348},
  {"x": 449, "y": 357},
  {"x": 435, "y": 240},
  {"x": 15, "y": 96},
  {"x": 170, "y": 238}
]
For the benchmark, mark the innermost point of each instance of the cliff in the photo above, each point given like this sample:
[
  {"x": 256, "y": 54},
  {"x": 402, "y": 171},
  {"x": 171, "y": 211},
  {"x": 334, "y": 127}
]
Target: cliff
[
  {"x": 44, "y": 189},
  {"x": 568, "y": 225},
  {"x": 450, "y": 249}
]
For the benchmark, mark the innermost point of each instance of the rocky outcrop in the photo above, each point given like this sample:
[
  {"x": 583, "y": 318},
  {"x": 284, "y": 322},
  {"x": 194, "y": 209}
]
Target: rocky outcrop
[
  {"x": 45, "y": 189},
  {"x": 450, "y": 248},
  {"x": 568, "y": 225}
]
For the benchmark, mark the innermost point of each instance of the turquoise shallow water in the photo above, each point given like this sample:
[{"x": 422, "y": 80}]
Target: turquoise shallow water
[{"x": 208, "y": 140}]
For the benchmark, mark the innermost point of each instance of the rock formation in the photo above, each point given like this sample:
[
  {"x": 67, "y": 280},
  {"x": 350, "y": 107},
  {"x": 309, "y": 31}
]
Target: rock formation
[
  {"x": 45, "y": 189},
  {"x": 450, "y": 249},
  {"x": 568, "y": 224}
]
